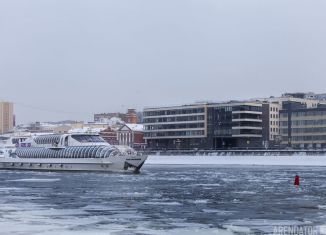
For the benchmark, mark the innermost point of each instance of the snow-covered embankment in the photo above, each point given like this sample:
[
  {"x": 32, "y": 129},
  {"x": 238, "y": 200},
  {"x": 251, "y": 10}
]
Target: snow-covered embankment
[{"x": 297, "y": 160}]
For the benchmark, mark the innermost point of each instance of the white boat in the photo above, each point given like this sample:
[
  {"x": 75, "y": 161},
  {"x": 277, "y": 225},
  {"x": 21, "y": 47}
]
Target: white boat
[{"x": 68, "y": 152}]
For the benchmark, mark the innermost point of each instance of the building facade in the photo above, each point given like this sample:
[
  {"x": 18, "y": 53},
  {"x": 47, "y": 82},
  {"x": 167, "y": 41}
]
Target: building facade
[
  {"x": 271, "y": 124},
  {"x": 253, "y": 124},
  {"x": 271, "y": 114},
  {"x": 6, "y": 117},
  {"x": 303, "y": 127},
  {"x": 131, "y": 116},
  {"x": 132, "y": 135},
  {"x": 235, "y": 125},
  {"x": 177, "y": 127},
  {"x": 204, "y": 126},
  {"x": 105, "y": 117},
  {"x": 110, "y": 135}
]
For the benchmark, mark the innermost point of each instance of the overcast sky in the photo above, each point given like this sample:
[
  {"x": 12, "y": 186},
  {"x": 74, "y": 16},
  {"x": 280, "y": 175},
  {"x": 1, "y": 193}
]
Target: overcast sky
[{"x": 67, "y": 59}]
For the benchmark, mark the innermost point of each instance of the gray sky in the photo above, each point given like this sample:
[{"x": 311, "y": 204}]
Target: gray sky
[{"x": 88, "y": 56}]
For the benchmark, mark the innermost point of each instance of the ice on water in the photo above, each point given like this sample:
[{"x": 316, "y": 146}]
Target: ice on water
[{"x": 169, "y": 199}]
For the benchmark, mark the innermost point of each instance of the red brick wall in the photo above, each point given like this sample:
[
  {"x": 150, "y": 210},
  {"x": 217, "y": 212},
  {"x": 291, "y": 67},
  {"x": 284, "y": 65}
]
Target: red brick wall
[{"x": 139, "y": 138}]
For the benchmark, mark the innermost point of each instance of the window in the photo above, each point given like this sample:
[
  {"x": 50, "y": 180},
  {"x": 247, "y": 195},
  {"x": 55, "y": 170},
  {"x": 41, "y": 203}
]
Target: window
[{"x": 88, "y": 138}]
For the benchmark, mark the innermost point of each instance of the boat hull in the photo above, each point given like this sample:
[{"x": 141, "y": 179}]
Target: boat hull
[{"x": 112, "y": 164}]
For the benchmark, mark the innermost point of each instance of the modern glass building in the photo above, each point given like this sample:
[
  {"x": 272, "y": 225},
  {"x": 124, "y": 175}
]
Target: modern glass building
[
  {"x": 204, "y": 126},
  {"x": 235, "y": 125},
  {"x": 176, "y": 127},
  {"x": 303, "y": 127}
]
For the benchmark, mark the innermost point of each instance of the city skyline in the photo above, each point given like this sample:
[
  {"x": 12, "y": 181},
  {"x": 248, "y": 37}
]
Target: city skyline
[
  {"x": 123, "y": 112},
  {"x": 69, "y": 60}
]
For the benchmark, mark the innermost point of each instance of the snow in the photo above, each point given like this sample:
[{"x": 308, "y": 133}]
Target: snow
[
  {"x": 115, "y": 121},
  {"x": 297, "y": 160},
  {"x": 86, "y": 130},
  {"x": 135, "y": 127}
]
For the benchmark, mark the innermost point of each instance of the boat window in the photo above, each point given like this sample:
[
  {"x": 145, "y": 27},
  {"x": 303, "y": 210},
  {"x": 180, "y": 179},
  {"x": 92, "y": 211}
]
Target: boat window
[
  {"x": 98, "y": 152},
  {"x": 57, "y": 153},
  {"x": 88, "y": 138},
  {"x": 88, "y": 152},
  {"x": 107, "y": 153},
  {"x": 75, "y": 152},
  {"x": 50, "y": 154},
  {"x": 40, "y": 152},
  {"x": 92, "y": 152},
  {"x": 114, "y": 153},
  {"x": 82, "y": 153},
  {"x": 61, "y": 153},
  {"x": 46, "y": 153},
  {"x": 102, "y": 154},
  {"x": 15, "y": 141},
  {"x": 69, "y": 153},
  {"x": 66, "y": 141},
  {"x": 65, "y": 153}
]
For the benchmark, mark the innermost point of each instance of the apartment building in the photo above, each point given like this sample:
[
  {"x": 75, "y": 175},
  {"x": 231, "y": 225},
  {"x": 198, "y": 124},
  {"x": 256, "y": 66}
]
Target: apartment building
[
  {"x": 6, "y": 117},
  {"x": 235, "y": 125},
  {"x": 251, "y": 124},
  {"x": 176, "y": 127},
  {"x": 303, "y": 127},
  {"x": 270, "y": 124},
  {"x": 271, "y": 114},
  {"x": 204, "y": 126}
]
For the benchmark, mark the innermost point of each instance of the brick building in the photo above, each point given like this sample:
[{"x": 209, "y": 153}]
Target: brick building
[
  {"x": 110, "y": 136},
  {"x": 131, "y": 117}
]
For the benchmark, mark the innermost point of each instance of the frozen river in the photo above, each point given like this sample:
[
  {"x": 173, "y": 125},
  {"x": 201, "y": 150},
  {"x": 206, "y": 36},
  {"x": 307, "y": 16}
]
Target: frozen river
[{"x": 163, "y": 200}]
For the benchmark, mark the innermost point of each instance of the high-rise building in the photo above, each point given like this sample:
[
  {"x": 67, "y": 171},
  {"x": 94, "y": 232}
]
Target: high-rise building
[{"x": 6, "y": 116}]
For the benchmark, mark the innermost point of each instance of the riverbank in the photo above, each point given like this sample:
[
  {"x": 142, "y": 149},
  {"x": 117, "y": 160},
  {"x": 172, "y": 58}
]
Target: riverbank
[
  {"x": 259, "y": 152},
  {"x": 269, "y": 160}
]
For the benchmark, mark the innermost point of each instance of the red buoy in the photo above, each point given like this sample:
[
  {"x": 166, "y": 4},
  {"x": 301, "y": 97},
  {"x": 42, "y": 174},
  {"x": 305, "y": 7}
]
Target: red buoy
[{"x": 297, "y": 181}]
